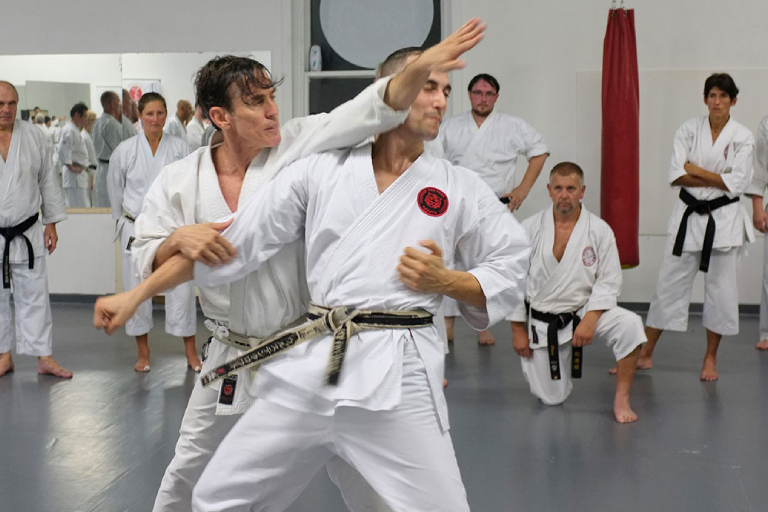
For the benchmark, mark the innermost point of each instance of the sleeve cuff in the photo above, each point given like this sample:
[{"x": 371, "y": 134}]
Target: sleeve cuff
[
  {"x": 601, "y": 303},
  {"x": 676, "y": 174},
  {"x": 379, "y": 90},
  {"x": 144, "y": 252},
  {"x": 52, "y": 219},
  {"x": 498, "y": 302},
  {"x": 537, "y": 151}
]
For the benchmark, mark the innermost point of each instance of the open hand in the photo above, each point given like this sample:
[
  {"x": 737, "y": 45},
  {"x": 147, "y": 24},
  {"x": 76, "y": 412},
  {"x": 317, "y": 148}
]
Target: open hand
[{"x": 204, "y": 243}]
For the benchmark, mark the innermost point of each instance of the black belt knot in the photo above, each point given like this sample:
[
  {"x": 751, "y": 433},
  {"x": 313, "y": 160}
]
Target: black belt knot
[
  {"x": 701, "y": 208},
  {"x": 555, "y": 322},
  {"x": 9, "y": 234}
]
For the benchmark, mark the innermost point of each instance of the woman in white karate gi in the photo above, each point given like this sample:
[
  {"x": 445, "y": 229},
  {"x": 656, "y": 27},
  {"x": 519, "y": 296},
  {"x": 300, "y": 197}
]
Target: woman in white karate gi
[{"x": 133, "y": 167}]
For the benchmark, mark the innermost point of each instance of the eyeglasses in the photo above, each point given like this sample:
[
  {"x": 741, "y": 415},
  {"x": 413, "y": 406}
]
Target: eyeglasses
[{"x": 487, "y": 94}]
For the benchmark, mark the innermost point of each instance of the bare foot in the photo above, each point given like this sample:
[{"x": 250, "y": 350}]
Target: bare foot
[
  {"x": 142, "y": 365},
  {"x": 622, "y": 411},
  {"x": 6, "y": 363},
  {"x": 194, "y": 363},
  {"x": 486, "y": 338},
  {"x": 643, "y": 363},
  {"x": 47, "y": 365},
  {"x": 445, "y": 383},
  {"x": 762, "y": 345},
  {"x": 708, "y": 371}
]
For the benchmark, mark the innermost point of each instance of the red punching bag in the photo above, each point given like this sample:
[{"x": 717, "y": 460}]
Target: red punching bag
[{"x": 620, "y": 162}]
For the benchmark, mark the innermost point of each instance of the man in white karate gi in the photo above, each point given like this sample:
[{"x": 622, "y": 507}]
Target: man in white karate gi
[
  {"x": 756, "y": 191},
  {"x": 177, "y": 123},
  {"x": 107, "y": 134},
  {"x": 572, "y": 290},
  {"x": 276, "y": 294},
  {"x": 488, "y": 142},
  {"x": 27, "y": 185},
  {"x": 195, "y": 129},
  {"x": 711, "y": 167},
  {"x": 73, "y": 158}
]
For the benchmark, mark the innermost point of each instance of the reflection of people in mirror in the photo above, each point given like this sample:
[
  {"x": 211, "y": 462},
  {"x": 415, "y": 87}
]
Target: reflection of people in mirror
[
  {"x": 107, "y": 133},
  {"x": 90, "y": 118},
  {"x": 196, "y": 129},
  {"x": 27, "y": 187},
  {"x": 177, "y": 124},
  {"x": 133, "y": 167},
  {"x": 73, "y": 158}
]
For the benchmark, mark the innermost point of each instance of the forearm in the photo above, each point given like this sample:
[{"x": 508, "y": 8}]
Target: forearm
[
  {"x": 166, "y": 250},
  {"x": 710, "y": 179},
  {"x": 689, "y": 181},
  {"x": 464, "y": 287},
  {"x": 757, "y": 203},
  {"x": 535, "y": 165},
  {"x": 177, "y": 269},
  {"x": 519, "y": 328},
  {"x": 403, "y": 89}
]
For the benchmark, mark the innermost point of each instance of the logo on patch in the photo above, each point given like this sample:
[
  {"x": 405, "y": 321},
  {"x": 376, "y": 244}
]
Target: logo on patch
[
  {"x": 433, "y": 201},
  {"x": 228, "y": 389},
  {"x": 588, "y": 256}
]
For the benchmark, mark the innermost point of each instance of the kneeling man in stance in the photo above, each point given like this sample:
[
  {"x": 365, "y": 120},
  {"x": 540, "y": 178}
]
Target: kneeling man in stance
[{"x": 573, "y": 283}]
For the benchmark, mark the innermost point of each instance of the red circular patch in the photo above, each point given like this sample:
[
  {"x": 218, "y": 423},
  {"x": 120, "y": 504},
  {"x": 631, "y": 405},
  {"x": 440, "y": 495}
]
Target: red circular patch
[
  {"x": 221, "y": 371},
  {"x": 433, "y": 201},
  {"x": 228, "y": 389}
]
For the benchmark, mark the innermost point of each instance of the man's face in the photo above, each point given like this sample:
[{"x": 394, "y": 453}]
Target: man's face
[
  {"x": 483, "y": 97},
  {"x": 719, "y": 102},
  {"x": 185, "y": 112},
  {"x": 430, "y": 105},
  {"x": 566, "y": 192},
  {"x": 8, "y": 104},
  {"x": 78, "y": 120},
  {"x": 255, "y": 121}
]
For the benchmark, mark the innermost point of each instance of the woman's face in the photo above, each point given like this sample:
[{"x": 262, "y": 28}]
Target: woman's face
[{"x": 153, "y": 117}]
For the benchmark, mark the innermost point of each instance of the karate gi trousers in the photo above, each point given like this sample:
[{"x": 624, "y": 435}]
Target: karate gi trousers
[
  {"x": 75, "y": 197},
  {"x": 180, "y": 308},
  {"x": 273, "y": 452},
  {"x": 669, "y": 307},
  {"x": 33, "y": 323},
  {"x": 201, "y": 433},
  {"x": 620, "y": 329}
]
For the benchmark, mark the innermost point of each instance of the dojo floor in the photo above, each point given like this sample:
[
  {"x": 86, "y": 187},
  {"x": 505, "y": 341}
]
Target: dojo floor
[{"x": 101, "y": 442}]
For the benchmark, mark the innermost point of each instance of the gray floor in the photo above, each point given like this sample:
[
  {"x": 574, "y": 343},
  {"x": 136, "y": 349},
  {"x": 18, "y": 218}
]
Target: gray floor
[{"x": 101, "y": 442}]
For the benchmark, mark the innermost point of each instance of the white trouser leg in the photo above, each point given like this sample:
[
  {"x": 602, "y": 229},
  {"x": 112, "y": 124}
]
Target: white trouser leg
[
  {"x": 537, "y": 374},
  {"x": 669, "y": 306},
  {"x": 76, "y": 197},
  {"x": 403, "y": 453},
  {"x": 764, "y": 296},
  {"x": 32, "y": 307},
  {"x": 449, "y": 307},
  {"x": 181, "y": 311},
  {"x": 200, "y": 434},
  {"x": 721, "y": 293},
  {"x": 100, "y": 194},
  {"x": 141, "y": 322},
  {"x": 7, "y": 329},
  {"x": 358, "y": 494},
  {"x": 620, "y": 329}
]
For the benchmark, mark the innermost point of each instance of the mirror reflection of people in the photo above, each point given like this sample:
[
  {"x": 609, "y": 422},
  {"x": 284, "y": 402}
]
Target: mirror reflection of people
[
  {"x": 177, "y": 124},
  {"x": 27, "y": 187},
  {"x": 195, "y": 129},
  {"x": 73, "y": 158},
  {"x": 133, "y": 167},
  {"x": 90, "y": 118},
  {"x": 129, "y": 116},
  {"x": 107, "y": 134}
]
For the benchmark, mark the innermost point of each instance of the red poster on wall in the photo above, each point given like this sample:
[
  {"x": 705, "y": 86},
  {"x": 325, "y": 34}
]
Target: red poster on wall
[{"x": 620, "y": 162}]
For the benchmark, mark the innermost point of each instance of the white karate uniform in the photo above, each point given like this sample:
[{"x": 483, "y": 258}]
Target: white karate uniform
[
  {"x": 387, "y": 416},
  {"x": 107, "y": 134},
  {"x": 28, "y": 185},
  {"x": 132, "y": 170},
  {"x": 72, "y": 150},
  {"x": 490, "y": 150},
  {"x": 175, "y": 127},
  {"x": 129, "y": 129},
  {"x": 757, "y": 188},
  {"x": 731, "y": 157},
  {"x": 587, "y": 278},
  {"x": 188, "y": 192},
  {"x": 195, "y": 130}
]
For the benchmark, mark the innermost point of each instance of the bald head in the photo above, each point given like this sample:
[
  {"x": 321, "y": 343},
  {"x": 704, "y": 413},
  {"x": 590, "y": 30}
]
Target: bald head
[
  {"x": 9, "y": 85},
  {"x": 184, "y": 110}
]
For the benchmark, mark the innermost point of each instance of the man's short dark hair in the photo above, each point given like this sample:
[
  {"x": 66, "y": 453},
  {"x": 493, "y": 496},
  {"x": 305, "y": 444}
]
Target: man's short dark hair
[
  {"x": 215, "y": 79},
  {"x": 486, "y": 78},
  {"x": 722, "y": 81},
  {"x": 395, "y": 61},
  {"x": 79, "y": 108},
  {"x": 108, "y": 97},
  {"x": 151, "y": 96},
  {"x": 566, "y": 169}
]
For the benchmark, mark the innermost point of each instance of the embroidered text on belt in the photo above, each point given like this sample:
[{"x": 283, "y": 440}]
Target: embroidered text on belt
[
  {"x": 701, "y": 208},
  {"x": 555, "y": 323},
  {"x": 342, "y": 322},
  {"x": 11, "y": 233}
]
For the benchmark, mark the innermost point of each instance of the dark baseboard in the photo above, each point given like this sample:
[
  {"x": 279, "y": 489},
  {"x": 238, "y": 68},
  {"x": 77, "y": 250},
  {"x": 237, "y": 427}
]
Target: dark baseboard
[{"x": 696, "y": 307}]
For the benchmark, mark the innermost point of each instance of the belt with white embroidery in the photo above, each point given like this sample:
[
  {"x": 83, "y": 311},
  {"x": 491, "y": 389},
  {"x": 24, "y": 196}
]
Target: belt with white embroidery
[{"x": 343, "y": 322}]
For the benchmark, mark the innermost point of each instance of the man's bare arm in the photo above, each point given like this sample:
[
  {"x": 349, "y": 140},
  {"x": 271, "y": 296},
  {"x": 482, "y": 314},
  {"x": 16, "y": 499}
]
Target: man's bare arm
[
  {"x": 403, "y": 89},
  {"x": 518, "y": 195},
  {"x": 198, "y": 242},
  {"x": 114, "y": 311}
]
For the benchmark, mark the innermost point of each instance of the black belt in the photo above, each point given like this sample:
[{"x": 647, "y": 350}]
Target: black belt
[
  {"x": 342, "y": 322},
  {"x": 555, "y": 323},
  {"x": 702, "y": 208},
  {"x": 103, "y": 161},
  {"x": 11, "y": 233},
  {"x": 504, "y": 200}
]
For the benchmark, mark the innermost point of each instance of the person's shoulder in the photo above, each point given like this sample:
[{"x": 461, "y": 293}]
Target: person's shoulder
[
  {"x": 742, "y": 132},
  {"x": 126, "y": 146},
  {"x": 599, "y": 226}
]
